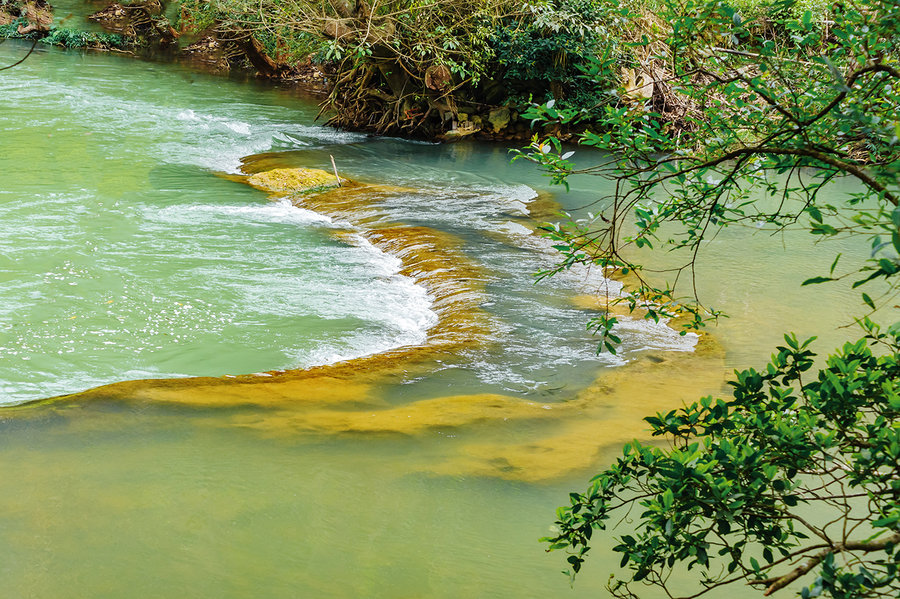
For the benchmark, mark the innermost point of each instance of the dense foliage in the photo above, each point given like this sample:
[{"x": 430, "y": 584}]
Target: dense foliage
[
  {"x": 796, "y": 472},
  {"x": 729, "y": 121},
  {"x": 730, "y": 109},
  {"x": 415, "y": 65},
  {"x": 549, "y": 51},
  {"x": 65, "y": 37}
]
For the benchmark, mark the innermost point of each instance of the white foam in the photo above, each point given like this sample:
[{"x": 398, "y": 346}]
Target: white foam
[
  {"x": 387, "y": 264},
  {"x": 400, "y": 307},
  {"x": 215, "y": 138},
  {"x": 516, "y": 230},
  {"x": 411, "y": 314},
  {"x": 470, "y": 206},
  {"x": 280, "y": 211},
  {"x": 238, "y": 127},
  {"x": 519, "y": 192},
  {"x": 642, "y": 334}
]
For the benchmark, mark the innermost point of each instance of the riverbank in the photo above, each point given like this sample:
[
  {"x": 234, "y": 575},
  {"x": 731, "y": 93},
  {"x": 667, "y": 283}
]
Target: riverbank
[
  {"x": 362, "y": 61},
  {"x": 340, "y": 478},
  {"x": 496, "y": 70}
]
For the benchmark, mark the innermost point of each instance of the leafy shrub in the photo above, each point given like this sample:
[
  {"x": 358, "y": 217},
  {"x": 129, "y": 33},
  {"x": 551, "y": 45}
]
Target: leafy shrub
[
  {"x": 66, "y": 38},
  {"x": 73, "y": 38},
  {"x": 197, "y": 15},
  {"x": 288, "y": 46},
  {"x": 548, "y": 52},
  {"x": 11, "y": 30}
]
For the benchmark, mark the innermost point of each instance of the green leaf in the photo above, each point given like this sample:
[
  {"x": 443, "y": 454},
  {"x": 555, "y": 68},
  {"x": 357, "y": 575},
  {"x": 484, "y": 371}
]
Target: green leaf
[
  {"x": 884, "y": 522},
  {"x": 834, "y": 264},
  {"x": 868, "y": 301},
  {"x": 817, "y": 280},
  {"x": 815, "y": 213}
]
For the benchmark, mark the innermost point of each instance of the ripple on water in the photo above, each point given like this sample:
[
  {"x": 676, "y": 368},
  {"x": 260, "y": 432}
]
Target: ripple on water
[
  {"x": 191, "y": 289},
  {"x": 142, "y": 256}
]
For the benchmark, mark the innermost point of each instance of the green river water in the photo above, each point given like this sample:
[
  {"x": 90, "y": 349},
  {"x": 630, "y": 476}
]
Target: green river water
[{"x": 125, "y": 253}]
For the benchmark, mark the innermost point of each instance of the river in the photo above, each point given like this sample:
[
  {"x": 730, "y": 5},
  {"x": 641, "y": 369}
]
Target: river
[{"x": 363, "y": 456}]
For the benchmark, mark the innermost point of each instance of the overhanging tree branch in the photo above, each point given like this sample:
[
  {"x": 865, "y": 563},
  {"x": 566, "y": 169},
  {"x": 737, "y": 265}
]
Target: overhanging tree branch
[{"x": 774, "y": 584}]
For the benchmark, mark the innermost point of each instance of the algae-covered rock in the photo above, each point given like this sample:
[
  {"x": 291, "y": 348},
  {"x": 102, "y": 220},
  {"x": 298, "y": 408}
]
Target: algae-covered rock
[
  {"x": 499, "y": 118},
  {"x": 294, "y": 180}
]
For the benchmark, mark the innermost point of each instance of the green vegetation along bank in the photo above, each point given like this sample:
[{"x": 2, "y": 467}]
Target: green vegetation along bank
[
  {"x": 793, "y": 482},
  {"x": 443, "y": 69}
]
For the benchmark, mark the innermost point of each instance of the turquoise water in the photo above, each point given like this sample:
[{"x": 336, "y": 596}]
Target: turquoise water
[
  {"x": 143, "y": 262},
  {"x": 125, "y": 256},
  {"x": 127, "y": 253}
]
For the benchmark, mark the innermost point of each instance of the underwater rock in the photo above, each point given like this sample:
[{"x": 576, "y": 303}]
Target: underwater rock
[{"x": 294, "y": 180}]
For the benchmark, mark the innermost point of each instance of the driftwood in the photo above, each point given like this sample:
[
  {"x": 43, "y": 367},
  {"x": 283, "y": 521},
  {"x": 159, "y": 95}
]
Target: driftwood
[{"x": 257, "y": 57}]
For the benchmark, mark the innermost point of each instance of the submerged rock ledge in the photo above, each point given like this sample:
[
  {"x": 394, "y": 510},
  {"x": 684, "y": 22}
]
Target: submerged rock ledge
[
  {"x": 541, "y": 441},
  {"x": 430, "y": 257}
]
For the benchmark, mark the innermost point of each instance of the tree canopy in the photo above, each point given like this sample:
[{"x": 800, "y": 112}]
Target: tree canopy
[
  {"x": 727, "y": 107},
  {"x": 794, "y": 481},
  {"x": 798, "y": 472}
]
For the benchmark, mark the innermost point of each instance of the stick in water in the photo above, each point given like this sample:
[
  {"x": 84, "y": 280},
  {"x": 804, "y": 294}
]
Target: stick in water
[{"x": 334, "y": 166}]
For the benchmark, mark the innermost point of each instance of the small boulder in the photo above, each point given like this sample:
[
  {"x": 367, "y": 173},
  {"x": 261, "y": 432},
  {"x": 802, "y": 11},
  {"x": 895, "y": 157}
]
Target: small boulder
[
  {"x": 438, "y": 77},
  {"x": 464, "y": 129},
  {"x": 345, "y": 8}
]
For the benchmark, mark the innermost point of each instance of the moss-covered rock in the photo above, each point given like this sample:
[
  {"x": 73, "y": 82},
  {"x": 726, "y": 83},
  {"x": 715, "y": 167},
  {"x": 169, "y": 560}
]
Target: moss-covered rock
[
  {"x": 296, "y": 180},
  {"x": 499, "y": 118}
]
